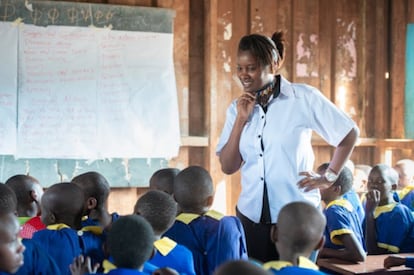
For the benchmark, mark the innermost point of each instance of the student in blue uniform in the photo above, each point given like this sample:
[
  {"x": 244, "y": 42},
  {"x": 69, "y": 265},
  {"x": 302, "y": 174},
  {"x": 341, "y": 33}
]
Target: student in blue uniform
[
  {"x": 36, "y": 260},
  {"x": 62, "y": 208},
  {"x": 159, "y": 209},
  {"x": 405, "y": 169},
  {"x": 163, "y": 179},
  {"x": 29, "y": 193},
  {"x": 11, "y": 248},
  {"x": 8, "y": 199},
  {"x": 297, "y": 233},
  {"x": 212, "y": 237},
  {"x": 344, "y": 237},
  {"x": 389, "y": 225},
  {"x": 130, "y": 244},
  {"x": 96, "y": 189}
]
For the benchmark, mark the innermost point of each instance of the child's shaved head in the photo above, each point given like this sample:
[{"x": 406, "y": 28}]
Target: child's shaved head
[
  {"x": 193, "y": 187},
  {"x": 300, "y": 227}
]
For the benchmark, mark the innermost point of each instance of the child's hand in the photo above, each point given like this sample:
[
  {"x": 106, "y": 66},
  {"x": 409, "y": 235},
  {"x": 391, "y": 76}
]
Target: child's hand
[
  {"x": 81, "y": 265},
  {"x": 394, "y": 260},
  {"x": 372, "y": 200}
]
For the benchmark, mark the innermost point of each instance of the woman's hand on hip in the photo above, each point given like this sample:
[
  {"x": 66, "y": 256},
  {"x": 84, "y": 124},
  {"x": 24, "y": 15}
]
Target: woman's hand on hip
[{"x": 312, "y": 181}]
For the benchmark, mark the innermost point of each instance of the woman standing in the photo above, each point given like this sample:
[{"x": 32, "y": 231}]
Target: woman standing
[{"x": 267, "y": 134}]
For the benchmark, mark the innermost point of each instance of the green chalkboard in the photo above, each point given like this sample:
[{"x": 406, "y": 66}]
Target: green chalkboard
[
  {"x": 117, "y": 17},
  {"x": 119, "y": 172}
]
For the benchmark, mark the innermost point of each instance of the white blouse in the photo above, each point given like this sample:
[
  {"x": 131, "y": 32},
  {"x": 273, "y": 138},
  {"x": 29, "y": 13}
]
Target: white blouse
[{"x": 286, "y": 131}]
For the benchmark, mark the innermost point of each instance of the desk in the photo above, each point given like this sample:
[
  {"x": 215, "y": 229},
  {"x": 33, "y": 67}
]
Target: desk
[{"x": 372, "y": 265}]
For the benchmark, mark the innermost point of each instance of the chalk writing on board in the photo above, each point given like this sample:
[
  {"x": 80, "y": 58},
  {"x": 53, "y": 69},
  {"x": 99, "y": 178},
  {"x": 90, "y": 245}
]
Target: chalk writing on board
[{"x": 45, "y": 13}]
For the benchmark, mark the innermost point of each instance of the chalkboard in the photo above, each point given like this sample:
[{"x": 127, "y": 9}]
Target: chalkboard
[
  {"x": 120, "y": 172},
  {"x": 116, "y": 17}
]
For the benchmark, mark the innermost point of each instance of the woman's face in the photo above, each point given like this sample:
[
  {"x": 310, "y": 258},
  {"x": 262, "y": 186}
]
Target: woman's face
[{"x": 252, "y": 76}]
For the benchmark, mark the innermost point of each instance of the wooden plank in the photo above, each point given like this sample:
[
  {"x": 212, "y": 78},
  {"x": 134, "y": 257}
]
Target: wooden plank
[
  {"x": 262, "y": 17},
  {"x": 197, "y": 100},
  {"x": 381, "y": 98},
  {"x": 284, "y": 22},
  {"x": 346, "y": 56},
  {"x": 326, "y": 75},
  {"x": 398, "y": 31},
  {"x": 305, "y": 41},
  {"x": 367, "y": 64}
]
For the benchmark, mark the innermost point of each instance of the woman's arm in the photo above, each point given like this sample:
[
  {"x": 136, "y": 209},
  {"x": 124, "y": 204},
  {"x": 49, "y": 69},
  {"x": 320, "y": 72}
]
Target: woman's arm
[
  {"x": 342, "y": 153},
  {"x": 230, "y": 158}
]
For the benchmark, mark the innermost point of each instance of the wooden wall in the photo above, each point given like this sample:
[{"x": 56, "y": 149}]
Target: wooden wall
[{"x": 352, "y": 50}]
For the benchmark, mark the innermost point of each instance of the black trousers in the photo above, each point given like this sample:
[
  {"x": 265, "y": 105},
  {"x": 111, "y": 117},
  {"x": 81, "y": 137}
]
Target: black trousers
[{"x": 259, "y": 243}]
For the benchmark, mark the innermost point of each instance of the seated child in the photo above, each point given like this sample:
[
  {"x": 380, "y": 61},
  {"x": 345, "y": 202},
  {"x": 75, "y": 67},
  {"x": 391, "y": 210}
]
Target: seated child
[
  {"x": 11, "y": 248},
  {"x": 36, "y": 260},
  {"x": 212, "y": 237},
  {"x": 389, "y": 225},
  {"x": 163, "y": 179},
  {"x": 344, "y": 238},
  {"x": 130, "y": 244},
  {"x": 96, "y": 189},
  {"x": 62, "y": 208},
  {"x": 29, "y": 193},
  {"x": 405, "y": 169},
  {"x": 240, "y": 267},
  {"x": 352, "y": 196},
  {"x": 361, "y": 173},
  {"x": 159, "y": 209},
  {"x": 297, "y": 233},
  {"x": 8, "y": 200}
]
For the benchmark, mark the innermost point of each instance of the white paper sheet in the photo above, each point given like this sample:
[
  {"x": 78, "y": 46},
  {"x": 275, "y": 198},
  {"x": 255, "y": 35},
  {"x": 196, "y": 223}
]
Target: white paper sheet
[
  {"x": 8, "y": 87},
  {"x": 95, "y": 93}
]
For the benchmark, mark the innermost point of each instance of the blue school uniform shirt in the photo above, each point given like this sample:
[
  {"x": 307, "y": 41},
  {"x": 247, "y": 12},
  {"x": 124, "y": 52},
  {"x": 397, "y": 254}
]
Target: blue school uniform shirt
[
  {"x": 36, "y": 261},
  {"x": 406, "y": 196},
  {"x": 63, "y": 244},
  {"x": 212, "y": 238},
  {"x": 173, "y": 255},
  {"x": 86, "y": 221},
  {"x": 356, "y": 203},
  {"x": 394, "y": 224},
  {"x": 124, "y": 271},
  {"x": 409, "y": 262},
  {"x": 108, "y": 266},
  {"x": 305, "y": 266},
  {"x": 341, "y": 218}
]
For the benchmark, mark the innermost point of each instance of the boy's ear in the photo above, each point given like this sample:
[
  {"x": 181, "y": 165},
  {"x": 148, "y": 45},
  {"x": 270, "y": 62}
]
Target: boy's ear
[
  {"x": 209, "y": 201},
  {"x": 337, "y": 189},
  {"x": 33, "y": 196},
  {"x": 91, "y": 203},
  {"x": 273, "y": 233},
  {"x": 51, "y": 219},
  {"x": 394, "y": 186}
]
